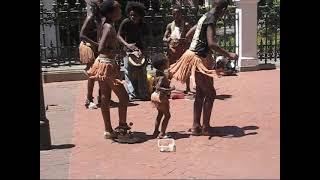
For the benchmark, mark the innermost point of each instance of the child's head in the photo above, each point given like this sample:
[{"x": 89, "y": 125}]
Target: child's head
[
  {"x": 110, "y": 9},
  {"x": 159, "y": 62},
  {"x": 135, "y": 11}
]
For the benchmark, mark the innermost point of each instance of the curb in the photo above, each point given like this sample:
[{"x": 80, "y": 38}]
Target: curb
[
  {"x": 78, "y": 74},
  {"x": 73, "y": 75}
]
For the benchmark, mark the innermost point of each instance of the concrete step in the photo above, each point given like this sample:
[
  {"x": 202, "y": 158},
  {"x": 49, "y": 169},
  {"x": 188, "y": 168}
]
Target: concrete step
[{"x": 74, "y": 73}]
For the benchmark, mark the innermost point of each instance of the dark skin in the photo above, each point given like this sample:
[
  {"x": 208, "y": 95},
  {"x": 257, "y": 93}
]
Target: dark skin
[
  {"x": 123, "y": 37},
  {"x": 89, "y": 24},
  {"x": 85, "y": 29},
  {"x": 108, "y": 39},
  {"x": 164, "y": 107},
  {"x": 205, "y": 91},
  {"x": 136, "y": 18},
  {"x": 177, "y": 16}
]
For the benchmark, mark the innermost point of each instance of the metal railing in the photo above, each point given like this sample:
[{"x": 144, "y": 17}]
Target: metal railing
[
  {"x": 268, "y": 36},
  {"x": 61, "y": 22}
]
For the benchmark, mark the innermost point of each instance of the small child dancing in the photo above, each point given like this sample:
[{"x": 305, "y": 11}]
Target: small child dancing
[{"x": 160, "y": 97}]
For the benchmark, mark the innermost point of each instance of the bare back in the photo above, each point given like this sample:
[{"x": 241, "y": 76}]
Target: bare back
[{"x": 108, "y": 42}]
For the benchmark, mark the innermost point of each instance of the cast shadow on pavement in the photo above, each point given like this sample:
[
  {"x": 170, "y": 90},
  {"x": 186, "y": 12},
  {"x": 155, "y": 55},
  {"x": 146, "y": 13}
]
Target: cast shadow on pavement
[
  {"x": 219, "y": 97},
  {"x": 231, "y": 131},
  {"x": 146, "y": 137},
  {"x": 116, "y": 104},
  {"x": 223, "y": 96},
  {"x": 178, "y": 135},
  {"x": 63, "y": 146}
]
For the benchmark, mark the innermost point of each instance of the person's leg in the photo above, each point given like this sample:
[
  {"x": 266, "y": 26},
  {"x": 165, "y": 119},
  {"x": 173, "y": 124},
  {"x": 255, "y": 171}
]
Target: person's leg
[
  {"x": 166, "y": 112},
  {"x": 122, "y": 95},
  {"x": 198, "y": 104},
  {"x": 210, "y": 94},
  {"x": 99, "y": 97},
  {"x": 188, "y": 85},
  {"x": 128, "y": 78},
  {"x": 90, "y": 87},
  {"x": 157, "y": 124},
  {"x": 105, "y": 109}
]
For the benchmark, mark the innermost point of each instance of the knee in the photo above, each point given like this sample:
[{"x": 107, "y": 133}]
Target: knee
[
  {"x": 91, "y": 81},
  {"x": 103, "y": 97},
  {"x": 213, "y": 93},
  {"x": 104, "y": 100},
  {"x": 124, "y": 101},
  {"x": 167, "y": 115},
  {"x": 211, "y": 96},
  {"x": 199, "y": 97},
  {"x": 209, "y": 99}
]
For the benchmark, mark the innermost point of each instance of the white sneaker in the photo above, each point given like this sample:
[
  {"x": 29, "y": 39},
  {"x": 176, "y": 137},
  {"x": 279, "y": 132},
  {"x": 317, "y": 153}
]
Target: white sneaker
[
  {"x": 108, "y": 135},
  {"x": 92, "y": 106}
]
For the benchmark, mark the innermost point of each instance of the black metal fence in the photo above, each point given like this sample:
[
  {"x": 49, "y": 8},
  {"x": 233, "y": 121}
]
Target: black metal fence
[
  {"x": 60, "y": 24},
  {"x": 268, "y": 36}
]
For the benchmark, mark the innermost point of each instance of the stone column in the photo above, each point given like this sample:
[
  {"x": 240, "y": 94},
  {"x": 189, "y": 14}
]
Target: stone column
[{"x": 247, "y": 34}]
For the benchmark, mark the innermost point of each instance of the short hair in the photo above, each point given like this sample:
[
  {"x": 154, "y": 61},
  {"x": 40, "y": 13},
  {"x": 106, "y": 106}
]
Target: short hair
[
  {"x": 221, "y": 4},
  {"x": 158, "y": 60},
  {"x": 136, "y": 7},
  {"x": 107, "y": 6}
]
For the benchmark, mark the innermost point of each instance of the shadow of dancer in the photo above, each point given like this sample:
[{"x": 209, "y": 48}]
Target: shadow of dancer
[{"x": 231, "y": 131}]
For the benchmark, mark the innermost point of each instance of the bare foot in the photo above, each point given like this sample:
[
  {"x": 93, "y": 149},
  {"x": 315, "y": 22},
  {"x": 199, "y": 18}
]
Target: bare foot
[
  {"x": 195, "y": 131},
  {"x": 161, "y": 135},
  {"x": 205, "y": 131},
  {"x": 155, "y": 134}
]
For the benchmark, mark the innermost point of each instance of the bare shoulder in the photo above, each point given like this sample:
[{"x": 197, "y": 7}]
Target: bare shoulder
[
  {"x": 125, "y": 21},
  {"x": 107, "y": 26}
]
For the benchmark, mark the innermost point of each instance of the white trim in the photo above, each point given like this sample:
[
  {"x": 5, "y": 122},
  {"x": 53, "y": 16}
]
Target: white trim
[
  {"x": 197, "y": 33},
  {"x": 239, "y": 32}
]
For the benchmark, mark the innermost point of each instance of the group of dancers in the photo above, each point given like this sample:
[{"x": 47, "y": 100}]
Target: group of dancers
[{"x": 190, "y": 54}]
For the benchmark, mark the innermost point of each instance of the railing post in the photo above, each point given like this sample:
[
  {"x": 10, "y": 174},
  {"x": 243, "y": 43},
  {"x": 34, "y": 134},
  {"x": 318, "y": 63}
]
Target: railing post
[{"x": 247, "y": 34}]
